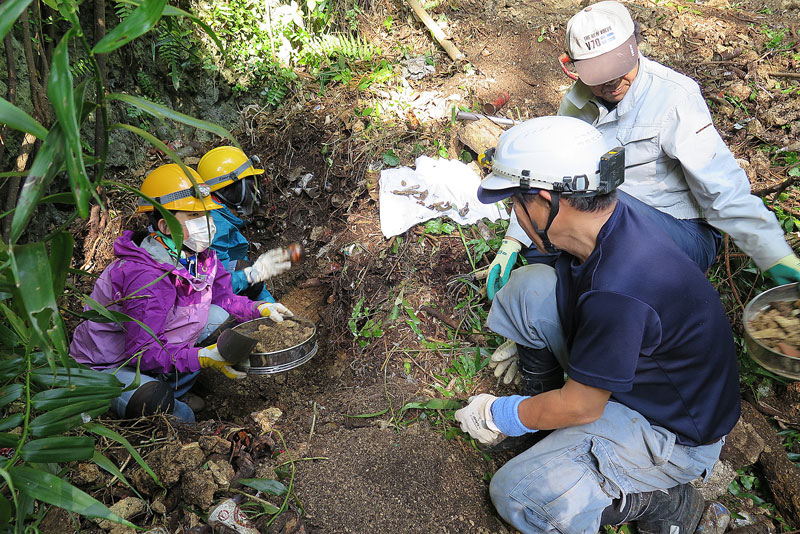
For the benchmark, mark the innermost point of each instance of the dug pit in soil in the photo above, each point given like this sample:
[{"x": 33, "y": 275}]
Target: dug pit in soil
[{"x": 778, "y": 327}]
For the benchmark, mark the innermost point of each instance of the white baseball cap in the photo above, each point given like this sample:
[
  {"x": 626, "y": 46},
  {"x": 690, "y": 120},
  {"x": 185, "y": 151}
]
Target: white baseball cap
[{"x": 601, "y": 42}]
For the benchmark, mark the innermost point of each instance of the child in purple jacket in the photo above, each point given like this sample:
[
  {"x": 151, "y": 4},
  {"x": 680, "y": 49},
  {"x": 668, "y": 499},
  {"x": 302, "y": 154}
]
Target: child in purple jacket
[{"x": 182, "y": 296}]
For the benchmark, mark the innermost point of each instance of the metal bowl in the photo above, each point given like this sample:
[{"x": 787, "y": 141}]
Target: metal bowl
[
  {"x": 269, "y": 363},
  {"x": 770, "y": 359}
]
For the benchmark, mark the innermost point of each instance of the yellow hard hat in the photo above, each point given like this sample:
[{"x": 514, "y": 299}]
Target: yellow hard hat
[
  {"x": 169, "y": 186},
  {"x": 224, "y": 165}
]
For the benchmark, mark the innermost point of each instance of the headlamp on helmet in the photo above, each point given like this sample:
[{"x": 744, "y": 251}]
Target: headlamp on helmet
[
  {"x": 564, "y": 155},
  {"x": 170, "y": 186}
]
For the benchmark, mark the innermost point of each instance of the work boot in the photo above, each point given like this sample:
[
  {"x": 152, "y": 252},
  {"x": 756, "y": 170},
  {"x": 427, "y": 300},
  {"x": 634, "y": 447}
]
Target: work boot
[
  {"x": 676, "y": 512},
  {"x": 150, "y": 398},
  {"x": 715, "y": 519},
  {"x": 659, "y": 513},
  {"x": 540, "y": 372}
]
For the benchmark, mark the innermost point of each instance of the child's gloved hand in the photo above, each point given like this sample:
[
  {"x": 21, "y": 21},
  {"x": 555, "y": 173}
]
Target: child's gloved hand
[
  {"x": 269, "y": 264},
  {"x": 275, "y": 311},
  {"x": 210, "y": 357}
]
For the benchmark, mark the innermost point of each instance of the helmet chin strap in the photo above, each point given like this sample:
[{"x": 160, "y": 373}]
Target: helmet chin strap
[{"x": 548, "y": 246}]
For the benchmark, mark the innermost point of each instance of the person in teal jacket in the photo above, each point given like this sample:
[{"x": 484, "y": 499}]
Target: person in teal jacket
[{"x": 230, "y": 174}]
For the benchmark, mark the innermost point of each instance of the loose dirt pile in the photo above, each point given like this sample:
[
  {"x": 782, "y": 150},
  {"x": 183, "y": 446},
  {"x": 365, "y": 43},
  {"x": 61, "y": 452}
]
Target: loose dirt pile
[
  {"x": 778, "y": 327},
  {"x": 278, "y": 336}
]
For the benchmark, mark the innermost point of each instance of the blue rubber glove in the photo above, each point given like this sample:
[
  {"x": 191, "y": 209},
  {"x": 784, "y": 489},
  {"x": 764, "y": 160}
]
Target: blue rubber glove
[
  {"x": 500, "y": 269},
  {"x": 786, "y": 271}
]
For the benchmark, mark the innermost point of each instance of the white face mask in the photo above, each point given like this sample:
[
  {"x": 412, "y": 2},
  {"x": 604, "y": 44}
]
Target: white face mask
[{"x": 199, "y": 233}]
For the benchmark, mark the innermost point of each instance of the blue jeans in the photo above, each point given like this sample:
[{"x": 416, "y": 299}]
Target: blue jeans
[
  {"x": 695, "y": 237},
  {"x": 525, "y": 311},
  {"x": 563, "y": 483},
  {"x": 180, "y": 383}
]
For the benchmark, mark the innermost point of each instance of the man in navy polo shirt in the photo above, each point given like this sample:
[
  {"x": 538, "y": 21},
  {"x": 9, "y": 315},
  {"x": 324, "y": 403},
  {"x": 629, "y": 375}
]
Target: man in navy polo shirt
[{"x": 652, "y": 384}]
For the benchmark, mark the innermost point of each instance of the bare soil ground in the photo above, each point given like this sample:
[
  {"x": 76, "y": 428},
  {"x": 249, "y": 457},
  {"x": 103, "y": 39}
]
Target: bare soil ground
[{"x": 395, "y": 471}]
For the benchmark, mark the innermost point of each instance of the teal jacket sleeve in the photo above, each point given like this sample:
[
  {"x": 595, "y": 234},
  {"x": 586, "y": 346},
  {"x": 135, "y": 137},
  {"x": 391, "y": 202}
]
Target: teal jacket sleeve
[{"x": 238, "y": 281}]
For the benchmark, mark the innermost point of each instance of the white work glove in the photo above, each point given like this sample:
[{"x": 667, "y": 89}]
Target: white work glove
[
  {"x": 210, "y": 357},
  {"x": 269, "y": 264},
  {"x": 477, "y": 421},
  {"x": 505, "y": 359},
  {"x": 275, "y": 311},
  {"x": 500, "y": 269}
]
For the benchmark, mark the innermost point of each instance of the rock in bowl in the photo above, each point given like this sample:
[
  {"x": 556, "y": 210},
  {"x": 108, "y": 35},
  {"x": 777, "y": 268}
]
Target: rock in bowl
[
  {"x": 759, "y": 351},
  {"x": 282, "y": 346}
]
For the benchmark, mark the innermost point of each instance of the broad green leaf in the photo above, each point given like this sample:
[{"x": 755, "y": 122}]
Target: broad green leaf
[
  {"x": 58, "y": 198},
  {"x": 10, "y": 393},
  {"x": 17, "y": 324},
  {"x": 49, "y": 161},
  {"x": 12, "y": 421},
  {"x": 59, "y": 449},
  {"x": 108, "y": 465},
  {"x": 390, "y": 158},
  {"x": 68, "y": 9},
  {"x": 8, "y": 439},
  {"x": 267, "y": 485},
  {"x": 62, "y": 97},
  {"x": 75, "y": 377},
  {"x": 34, "y": 282},
  {"x": 106, "y": 432},
  {"x": 11, "y": 368},
  {"x": 51, "y": 399},
  {"x": 8, "y": 338},
  {"x": 12, "y": 116},
  {"x": 67, "y": 417},
  {"x": 432, "y": 404},
  {"x": 79, "y": 93},
  {"x": 53, "y": 490},
  {"x": 5, "y": 511},
  {"x": 25, "y": 504},
  {"x": 137, "y": 23},
  {"x": 269, "y": 508},
  {"x": 10, "y": 10},
  {"x": 162, "y": 112},
  {"x": 61, "y": 248}
]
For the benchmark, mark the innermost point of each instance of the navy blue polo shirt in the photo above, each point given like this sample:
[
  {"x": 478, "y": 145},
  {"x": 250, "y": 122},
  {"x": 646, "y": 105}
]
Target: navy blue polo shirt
[{"x": 642, "y": 321}]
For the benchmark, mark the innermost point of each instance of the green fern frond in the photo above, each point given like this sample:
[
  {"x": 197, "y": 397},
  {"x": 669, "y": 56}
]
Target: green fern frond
[
  {"x": 123, "y": 10},
  {"x": 276, "y": 93},
  {"x": 81, "y": 68},
  {"x": 171, "y": 50},
  {"x": 354, "y": 48}
]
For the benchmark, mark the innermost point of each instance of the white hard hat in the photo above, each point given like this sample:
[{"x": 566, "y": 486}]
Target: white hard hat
[{"x": 561, "y": 154}]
